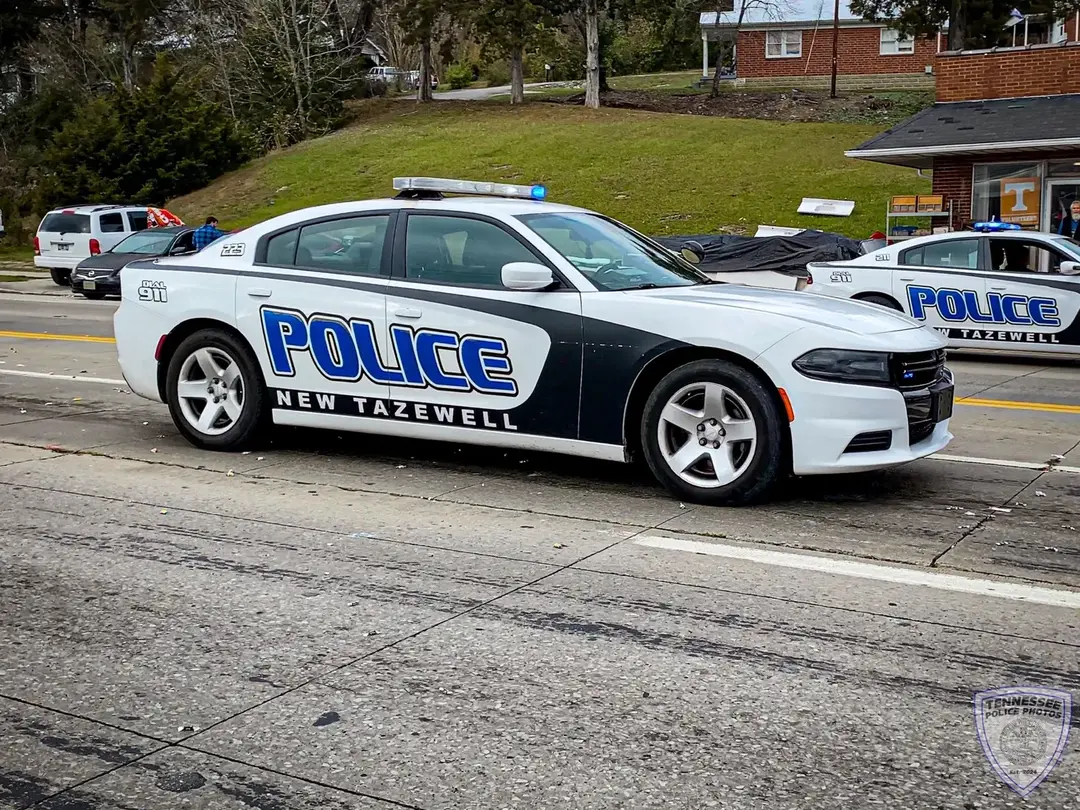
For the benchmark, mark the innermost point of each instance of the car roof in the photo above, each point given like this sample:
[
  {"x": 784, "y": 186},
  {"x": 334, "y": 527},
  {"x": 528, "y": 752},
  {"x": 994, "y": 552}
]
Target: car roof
[
  {"x": 93, "y": 209},
  {"x": 495, "y": 206}
]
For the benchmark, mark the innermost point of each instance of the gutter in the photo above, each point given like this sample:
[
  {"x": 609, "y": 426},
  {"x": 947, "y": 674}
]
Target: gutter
[{"x": 960, "y": 149}]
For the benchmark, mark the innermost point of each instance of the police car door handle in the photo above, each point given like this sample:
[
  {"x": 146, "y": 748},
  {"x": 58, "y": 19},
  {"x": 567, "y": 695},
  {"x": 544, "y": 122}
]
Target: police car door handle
[
  {"x": 259, "y": 292},
  {"x": 907, "y": 278},
  {"x": 408, "y": 313},
  {"x": 999, "y": 288}
]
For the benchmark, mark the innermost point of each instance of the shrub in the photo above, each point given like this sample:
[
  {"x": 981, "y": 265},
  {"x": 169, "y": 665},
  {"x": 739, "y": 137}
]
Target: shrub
[
  {"x": 146, "y": 145},
  {"x": 497, "y": 73},
  {"x": 458, "y": 76}
]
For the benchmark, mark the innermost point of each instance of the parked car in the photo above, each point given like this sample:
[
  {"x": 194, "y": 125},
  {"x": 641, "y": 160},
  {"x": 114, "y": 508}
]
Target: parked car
[
  {"x": 478, "y": 313},
  {"x": 66, "y": 236},
  {"x": 994, "y": 288},
  {"x": 99, "y": 275}
]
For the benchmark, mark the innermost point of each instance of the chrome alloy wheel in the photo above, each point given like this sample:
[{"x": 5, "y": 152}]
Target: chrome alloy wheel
[
  {"x": 210, "y": 391},
  {"x": 707, "y": 434}
]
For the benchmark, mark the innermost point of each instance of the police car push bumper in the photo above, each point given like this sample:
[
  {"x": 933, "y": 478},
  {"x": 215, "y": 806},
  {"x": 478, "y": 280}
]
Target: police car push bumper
[{"x": 705, "y": 381}]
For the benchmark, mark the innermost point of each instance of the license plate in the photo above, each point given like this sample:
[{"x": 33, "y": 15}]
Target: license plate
[
  {"x": 943, "y": 404},
  {"x": 89, "y": 285},
  {"x": 62, "y": 245}
]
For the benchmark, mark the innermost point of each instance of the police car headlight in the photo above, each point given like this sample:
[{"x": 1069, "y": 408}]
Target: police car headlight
[{"x": 844, "y": 365}]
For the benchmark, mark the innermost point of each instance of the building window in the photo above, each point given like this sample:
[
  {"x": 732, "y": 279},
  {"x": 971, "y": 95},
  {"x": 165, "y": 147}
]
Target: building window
[
  {"x": 1008, "y": 192},
  {"x": 1059, "y": 34},
  {"x": 892, "y": 41},
  {"x": 783, "y": 44}
]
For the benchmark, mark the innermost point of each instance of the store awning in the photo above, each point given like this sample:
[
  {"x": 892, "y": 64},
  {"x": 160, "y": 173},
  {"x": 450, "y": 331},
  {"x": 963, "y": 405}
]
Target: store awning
[{"x": 996, "y": 128}]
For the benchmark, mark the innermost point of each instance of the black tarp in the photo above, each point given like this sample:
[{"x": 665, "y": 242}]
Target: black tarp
[{"x": 781, "y": 254}]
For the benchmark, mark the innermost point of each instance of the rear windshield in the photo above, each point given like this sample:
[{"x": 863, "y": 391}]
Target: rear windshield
[
  {"x": 65, "y": 223},
  {"x": 145, "y": 242}
]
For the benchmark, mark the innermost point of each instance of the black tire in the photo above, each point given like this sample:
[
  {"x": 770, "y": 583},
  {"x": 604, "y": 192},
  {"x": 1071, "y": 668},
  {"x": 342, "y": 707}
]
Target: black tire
[
  {"x": 881, "y": 301},
  {"x": 94, "y": 296},
  {"x": 61, "y": 278},
  {"x": 254, "y": 415},
  {"x": 761, "y": 474}
]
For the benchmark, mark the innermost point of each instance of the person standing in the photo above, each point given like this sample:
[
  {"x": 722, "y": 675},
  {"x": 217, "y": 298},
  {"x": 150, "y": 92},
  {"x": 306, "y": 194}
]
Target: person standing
[
  {"x": 1070, "y": 225},
  {"x": 207, "y": 233}
]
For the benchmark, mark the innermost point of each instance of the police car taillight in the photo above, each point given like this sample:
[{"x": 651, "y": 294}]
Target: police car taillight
[{"x": 439, "y": 186}]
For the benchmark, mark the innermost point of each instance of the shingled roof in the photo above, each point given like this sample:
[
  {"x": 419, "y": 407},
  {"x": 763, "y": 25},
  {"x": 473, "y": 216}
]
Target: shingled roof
[{"x": 967, "y": 128}]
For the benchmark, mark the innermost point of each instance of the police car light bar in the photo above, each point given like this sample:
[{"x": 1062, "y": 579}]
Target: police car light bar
[
  {"x": 986, "y": 227},
  {"x": 438, "y": 185}
]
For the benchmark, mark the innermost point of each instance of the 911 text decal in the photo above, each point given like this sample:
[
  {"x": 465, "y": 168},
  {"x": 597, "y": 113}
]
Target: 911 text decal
[
  {"x": 347, "y": 350},
  {"x": 398, "y": 410},
  {"x": 996, "y": 308}
]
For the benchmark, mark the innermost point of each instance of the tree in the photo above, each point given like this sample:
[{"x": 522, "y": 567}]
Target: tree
[
  {"x": 510, "y": 26},
  {"x": 421, "y": 20},
  {"x": 767, "y": 9},
  {"x": 145, "y": 145},
  {"x": 971, "y": 23},
  {"x": 592, "y": 54}
]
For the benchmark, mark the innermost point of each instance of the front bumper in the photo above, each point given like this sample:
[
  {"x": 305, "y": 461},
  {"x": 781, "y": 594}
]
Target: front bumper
[
  {"x": 841, "y": 428},
  {"x": 106, "y": 285}
]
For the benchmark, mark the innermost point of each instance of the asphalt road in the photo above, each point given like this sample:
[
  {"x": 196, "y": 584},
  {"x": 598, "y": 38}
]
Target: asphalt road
[{"x": 349, "y": 622}]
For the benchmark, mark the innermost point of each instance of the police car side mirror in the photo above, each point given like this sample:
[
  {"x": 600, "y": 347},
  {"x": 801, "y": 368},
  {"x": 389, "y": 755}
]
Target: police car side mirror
[
  {"x": 1070, "y": 268},
  {"x": 526, "y": 276}
]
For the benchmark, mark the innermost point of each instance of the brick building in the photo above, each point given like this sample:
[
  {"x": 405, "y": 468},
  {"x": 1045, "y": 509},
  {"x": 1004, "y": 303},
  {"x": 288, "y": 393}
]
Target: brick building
[
  {"x": 797, "y": 49},
  {"x": 1003, "y": 138}
]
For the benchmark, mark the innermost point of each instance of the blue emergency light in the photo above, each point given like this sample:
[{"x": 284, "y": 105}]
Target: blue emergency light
[{"x": 993, "y": 225}]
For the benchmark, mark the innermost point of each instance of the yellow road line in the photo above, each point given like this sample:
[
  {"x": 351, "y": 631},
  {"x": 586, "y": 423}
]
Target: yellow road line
[
  {"x": 51, "y": 336},
  {"x": 1048, "y": 407}
]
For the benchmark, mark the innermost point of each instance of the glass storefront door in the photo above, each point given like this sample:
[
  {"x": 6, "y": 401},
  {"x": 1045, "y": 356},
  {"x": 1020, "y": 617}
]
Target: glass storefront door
[{"x": 1060, "y": 193}]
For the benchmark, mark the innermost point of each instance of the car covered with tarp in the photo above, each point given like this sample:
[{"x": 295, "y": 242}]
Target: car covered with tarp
[{"x": 764, "y": 261}]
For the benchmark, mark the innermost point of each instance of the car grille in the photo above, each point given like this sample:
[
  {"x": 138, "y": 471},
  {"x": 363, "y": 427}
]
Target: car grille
[
  {"x": 919, "y": 417},
  {"x": 913, "y": 373},
  {"x": 916, "y": 370}
]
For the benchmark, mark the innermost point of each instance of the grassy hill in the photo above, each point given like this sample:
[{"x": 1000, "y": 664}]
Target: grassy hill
[{"x": 660, "y": 173}]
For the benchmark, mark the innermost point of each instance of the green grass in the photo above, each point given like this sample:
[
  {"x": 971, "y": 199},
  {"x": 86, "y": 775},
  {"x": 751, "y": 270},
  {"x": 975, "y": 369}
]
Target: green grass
[
  {"x": 6, "y": 278},
  {"x": 15, "y": 253},
  {"x": 663, "y": 174}
]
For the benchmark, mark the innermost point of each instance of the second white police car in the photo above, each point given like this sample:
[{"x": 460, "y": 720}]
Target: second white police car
[
  {"x": 995, "y": 287},
  {"x": 495, "y": 318}
]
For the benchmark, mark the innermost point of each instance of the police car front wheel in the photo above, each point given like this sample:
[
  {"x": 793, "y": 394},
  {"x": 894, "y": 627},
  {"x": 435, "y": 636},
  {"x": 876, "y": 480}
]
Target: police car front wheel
[
  {"x": 712, "y": 434},
  {"x": 215, "y": 393}
]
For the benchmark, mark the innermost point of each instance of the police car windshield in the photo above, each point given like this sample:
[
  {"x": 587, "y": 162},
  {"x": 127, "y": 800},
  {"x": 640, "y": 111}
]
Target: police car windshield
[
  {"x": 1069, "y": 245},
  {"x": 610, "y": 255}
]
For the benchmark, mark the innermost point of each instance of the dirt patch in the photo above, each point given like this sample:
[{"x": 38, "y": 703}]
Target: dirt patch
[{"x": 794, "y": 105}]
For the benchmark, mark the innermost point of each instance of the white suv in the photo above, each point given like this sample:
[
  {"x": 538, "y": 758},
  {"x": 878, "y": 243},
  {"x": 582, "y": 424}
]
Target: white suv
[{"x": 66, "y": 236}]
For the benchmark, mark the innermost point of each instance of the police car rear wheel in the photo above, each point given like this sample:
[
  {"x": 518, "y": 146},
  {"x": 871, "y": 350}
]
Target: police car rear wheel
[
  {"x": 215, "y": 393},
  {"x": 712, "y": 434},
  {"x": 881, "y": 301}
]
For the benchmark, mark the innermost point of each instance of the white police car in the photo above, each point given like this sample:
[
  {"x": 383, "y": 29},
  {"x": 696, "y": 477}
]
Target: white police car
[
  {"x": 995, "y": 287},
  {"x": 495, "y": 318}
]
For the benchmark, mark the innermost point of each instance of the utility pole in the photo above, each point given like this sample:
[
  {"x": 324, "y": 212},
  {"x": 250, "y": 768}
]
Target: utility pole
[{"x": 835, "y": 44}]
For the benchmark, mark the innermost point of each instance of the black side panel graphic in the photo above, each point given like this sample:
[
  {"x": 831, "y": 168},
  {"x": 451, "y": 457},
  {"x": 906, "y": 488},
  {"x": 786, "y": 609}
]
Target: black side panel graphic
[{"x": 582, "y": 390}]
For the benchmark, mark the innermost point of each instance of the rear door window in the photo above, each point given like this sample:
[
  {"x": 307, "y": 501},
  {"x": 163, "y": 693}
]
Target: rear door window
[
  {"x": 61, "y": 222},
  {"x": 138, "y": 219},
  {"x": 353, "y": 245},
  {"x": 953, "y": 254},
  {"x": 111, "y": 223}
]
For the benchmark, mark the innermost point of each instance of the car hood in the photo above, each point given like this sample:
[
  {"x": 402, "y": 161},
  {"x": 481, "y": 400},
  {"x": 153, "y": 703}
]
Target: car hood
[
  {"x": 111, "y": 261},
  {"x": 821, "y": 310}
]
